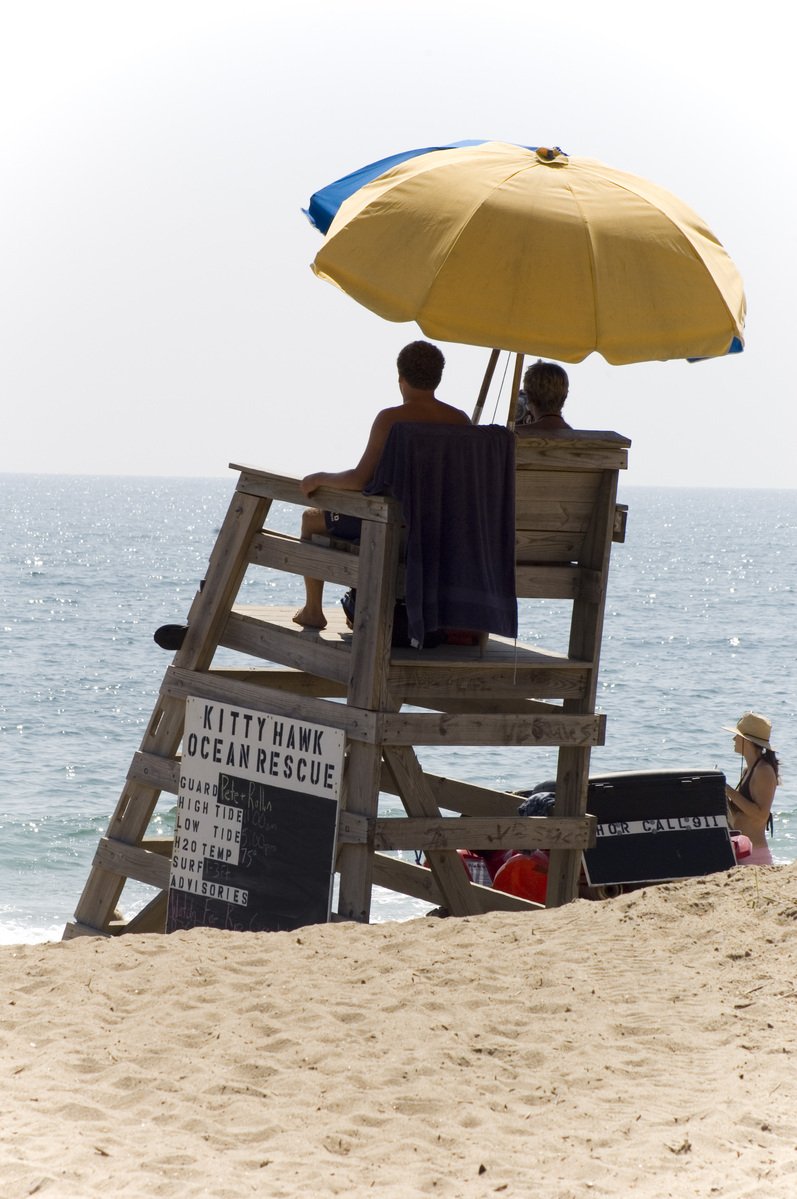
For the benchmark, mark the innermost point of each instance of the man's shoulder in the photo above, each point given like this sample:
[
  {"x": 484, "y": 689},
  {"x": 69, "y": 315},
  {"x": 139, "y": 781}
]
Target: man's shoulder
[
  {"x": 389, "y": 415},
  {"x": 439, "y": 413}
]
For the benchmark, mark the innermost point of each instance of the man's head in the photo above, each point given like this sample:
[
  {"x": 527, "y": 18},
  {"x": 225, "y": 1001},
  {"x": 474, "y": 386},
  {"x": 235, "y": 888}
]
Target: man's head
[
  {"x": 545, "y": 385},
  {"x": 421, "y": 365}
]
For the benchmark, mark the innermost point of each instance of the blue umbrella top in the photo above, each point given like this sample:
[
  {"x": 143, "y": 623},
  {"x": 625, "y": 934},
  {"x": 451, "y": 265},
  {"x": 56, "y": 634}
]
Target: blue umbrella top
[{"x": 325, "y": 203}]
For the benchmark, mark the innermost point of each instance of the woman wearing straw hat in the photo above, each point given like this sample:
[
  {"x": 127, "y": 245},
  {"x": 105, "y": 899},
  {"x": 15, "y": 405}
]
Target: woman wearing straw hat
[{"x": 750, "y": 804}]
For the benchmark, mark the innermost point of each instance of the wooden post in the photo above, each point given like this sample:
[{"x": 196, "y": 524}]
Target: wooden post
[
  {"x": 516, "y": 377},
  {"x": 446, "y": 865},
  {"x": 585, "y": 639},
  {"x": 370, "y": 664},
  {"x": 485, "y": 387}
]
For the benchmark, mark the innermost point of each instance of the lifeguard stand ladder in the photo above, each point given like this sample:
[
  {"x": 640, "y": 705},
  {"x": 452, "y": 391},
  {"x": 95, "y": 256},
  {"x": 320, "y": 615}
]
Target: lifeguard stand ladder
[{"x": 498, "y": 694}]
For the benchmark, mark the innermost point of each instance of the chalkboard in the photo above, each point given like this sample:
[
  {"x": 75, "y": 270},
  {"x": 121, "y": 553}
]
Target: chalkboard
[
  {"x": 250, "y": 854},
  {"x": 656, "y": 826}
]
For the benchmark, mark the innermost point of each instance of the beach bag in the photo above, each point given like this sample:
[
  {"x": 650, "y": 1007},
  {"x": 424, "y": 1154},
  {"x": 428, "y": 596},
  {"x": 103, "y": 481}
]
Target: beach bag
[
  {"x": 401, "y": 628},
  {"x": 539, "y": 803}
]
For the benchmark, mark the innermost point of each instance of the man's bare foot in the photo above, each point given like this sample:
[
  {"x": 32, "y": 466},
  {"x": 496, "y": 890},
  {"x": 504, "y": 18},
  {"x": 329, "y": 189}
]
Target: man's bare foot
[{"x": 310, "y": 619}]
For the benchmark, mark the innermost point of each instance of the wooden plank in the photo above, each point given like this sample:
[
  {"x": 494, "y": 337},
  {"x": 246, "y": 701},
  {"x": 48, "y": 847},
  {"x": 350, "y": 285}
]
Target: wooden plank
[
  {"x": 131, "y": 861},
  {"x": 162, "y": 774},
  {"x": 104, "y": 886},
  {"x": 585, "y": 641},
  {"x": 226, "y": 569},
  {"x": 456, "y": 796},
  {"x": 297, "y": 682},
  {"x": 480, "y": 834},
  {"x": 587, "y": 622},
  {"x": 428, "y": 685},
  {"x": 75, "y": 928},
  {"x": 564, "y": 865},
  {"x": 498, "y": 653},
  {"x": 267, "y": 485},
  {"x": 418, "y": 882},
  {"x": 462, "y": 704},
  {"x": 355, "y": 722},
  {"x": 442, "y": 729},
  {"x": 354, "y": 829},
  {"x": 592, "y": 586},
  {"x": 355, "y": 862},
  {"x": 545, "y": 488},
  {"x": 446, "y": 865},
  {"x": 620, "y": 522},
  {"x": 161, "y": 845},
  {"x": 437, "y": 728},
  {"x": 279, "y": 552},
  {"x": 574, "y": 449},
  {"x": 373, "y": 618},
  {"x": 151, "y": 919},
  {"x": 405, "y": 664},
  {"x": 137, "y": 802},
  {"x": 406, "y": 878},
  {"x": 302, "y": 649},
  {"x": 548, "y": 545},
  {"x": 538, "y": 581},
  {"x": 331, "y": 542},
  {"x": 554, "y": 516},
  {"x": 368, "y": 689}
]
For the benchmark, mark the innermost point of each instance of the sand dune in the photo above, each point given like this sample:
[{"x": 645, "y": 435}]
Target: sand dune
[{"x": 643, "y": 1046}]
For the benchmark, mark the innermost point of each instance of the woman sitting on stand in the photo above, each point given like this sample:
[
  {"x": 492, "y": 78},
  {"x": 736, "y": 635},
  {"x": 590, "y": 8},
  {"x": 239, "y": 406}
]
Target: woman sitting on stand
[{"x": 750, "y": 804}]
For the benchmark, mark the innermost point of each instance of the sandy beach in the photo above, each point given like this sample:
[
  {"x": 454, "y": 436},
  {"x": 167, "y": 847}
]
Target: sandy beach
[{"x": 642, "y": 1046}]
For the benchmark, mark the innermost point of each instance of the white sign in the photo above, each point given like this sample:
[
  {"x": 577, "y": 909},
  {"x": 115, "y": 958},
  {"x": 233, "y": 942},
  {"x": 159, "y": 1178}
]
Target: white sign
[
  {"x": 260, "y": 746},
  {"x": 654, "y": 824},
  {"x": 232, "y": 811}
]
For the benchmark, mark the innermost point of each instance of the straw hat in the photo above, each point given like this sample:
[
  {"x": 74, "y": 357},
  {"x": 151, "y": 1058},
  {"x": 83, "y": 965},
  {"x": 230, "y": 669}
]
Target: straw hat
[{"x": 753, "y": 727}]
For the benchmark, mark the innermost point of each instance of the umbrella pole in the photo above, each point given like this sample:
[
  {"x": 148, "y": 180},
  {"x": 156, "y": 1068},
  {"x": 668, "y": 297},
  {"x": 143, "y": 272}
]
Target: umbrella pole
[
  {"x": 510, "y": 416},
  {"x": 485, "y": 387}
]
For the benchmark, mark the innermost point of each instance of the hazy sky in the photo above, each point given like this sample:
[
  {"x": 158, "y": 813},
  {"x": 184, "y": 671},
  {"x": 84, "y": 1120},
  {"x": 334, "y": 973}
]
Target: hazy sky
[{"x": 157, "y": 310}]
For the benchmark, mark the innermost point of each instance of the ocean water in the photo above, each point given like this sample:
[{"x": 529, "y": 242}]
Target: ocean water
[{"x": 699, "y": 620}]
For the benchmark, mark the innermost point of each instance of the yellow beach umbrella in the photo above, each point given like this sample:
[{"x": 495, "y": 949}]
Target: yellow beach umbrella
[{"x": 533, "y": 251}]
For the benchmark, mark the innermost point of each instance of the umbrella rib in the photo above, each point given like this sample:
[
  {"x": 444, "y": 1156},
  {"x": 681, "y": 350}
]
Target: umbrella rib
[
  {"x": 464, "y": 225},
  {"x": 683, "y": 230}
]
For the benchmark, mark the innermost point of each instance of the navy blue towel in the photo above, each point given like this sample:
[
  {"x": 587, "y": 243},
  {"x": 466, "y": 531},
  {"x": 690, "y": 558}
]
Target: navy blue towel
[{"x": 456, "y": 486}]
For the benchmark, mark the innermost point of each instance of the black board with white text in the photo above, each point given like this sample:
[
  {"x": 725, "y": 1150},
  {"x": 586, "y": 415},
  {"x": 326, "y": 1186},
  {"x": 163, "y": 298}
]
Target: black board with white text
[{"x": 257, "y": 812}]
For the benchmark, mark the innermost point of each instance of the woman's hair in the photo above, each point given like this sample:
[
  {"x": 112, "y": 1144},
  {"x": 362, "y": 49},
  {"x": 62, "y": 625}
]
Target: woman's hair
[
  {"x": 771, "y": 759},
  {"x": 546, "y": 385}
]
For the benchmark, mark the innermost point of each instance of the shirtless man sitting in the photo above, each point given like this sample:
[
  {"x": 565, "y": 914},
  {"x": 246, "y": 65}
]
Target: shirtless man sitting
[{"x": 420, "y": 369}]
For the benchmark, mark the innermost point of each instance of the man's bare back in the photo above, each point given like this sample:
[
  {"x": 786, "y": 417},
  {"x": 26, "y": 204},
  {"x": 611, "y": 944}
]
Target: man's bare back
[{"x": 420, "y": 367}]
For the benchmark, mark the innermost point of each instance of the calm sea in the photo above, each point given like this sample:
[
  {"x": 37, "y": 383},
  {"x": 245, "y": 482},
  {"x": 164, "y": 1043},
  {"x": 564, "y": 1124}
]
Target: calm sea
[{"x": 699, "y": 621}]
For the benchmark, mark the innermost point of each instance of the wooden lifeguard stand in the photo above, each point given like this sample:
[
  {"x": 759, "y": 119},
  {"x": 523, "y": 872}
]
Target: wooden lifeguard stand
[{"x": 499, "y": 693}]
